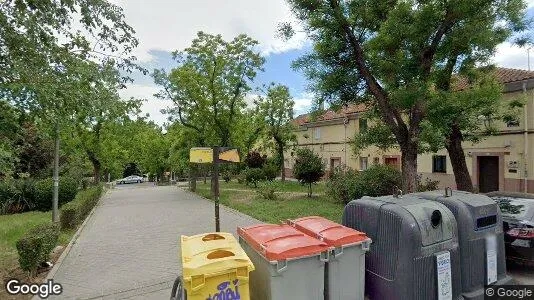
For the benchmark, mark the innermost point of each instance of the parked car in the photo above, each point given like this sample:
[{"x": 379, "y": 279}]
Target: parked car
[
  {"x": 518, "y": 225},
  {"x": 131, "y": 179}
]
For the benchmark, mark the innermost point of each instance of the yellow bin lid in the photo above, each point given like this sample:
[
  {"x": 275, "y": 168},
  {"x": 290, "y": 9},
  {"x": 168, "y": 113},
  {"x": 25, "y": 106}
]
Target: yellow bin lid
[{"x": 211, "y": 254}]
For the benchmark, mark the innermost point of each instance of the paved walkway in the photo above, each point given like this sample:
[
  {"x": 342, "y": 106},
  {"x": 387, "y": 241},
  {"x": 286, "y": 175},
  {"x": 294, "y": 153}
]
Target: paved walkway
[{"x": 129, "y": 248}]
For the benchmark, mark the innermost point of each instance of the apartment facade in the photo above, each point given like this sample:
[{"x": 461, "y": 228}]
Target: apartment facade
[
  {"x": 329, "y": 136},
  {"x": 504, "y": 161}
]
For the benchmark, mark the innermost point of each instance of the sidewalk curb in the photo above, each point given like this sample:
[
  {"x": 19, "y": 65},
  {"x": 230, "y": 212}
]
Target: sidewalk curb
[{"x": 67, "y": 249}]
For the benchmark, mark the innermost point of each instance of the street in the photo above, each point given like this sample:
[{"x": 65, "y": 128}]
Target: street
[{"x": 129, "y": 248}]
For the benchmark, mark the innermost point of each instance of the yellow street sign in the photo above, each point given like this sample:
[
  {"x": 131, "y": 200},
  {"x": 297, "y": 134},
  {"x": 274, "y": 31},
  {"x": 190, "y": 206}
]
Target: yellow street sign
[
  {"x": 201, "y": 155},
  {"x": 230, "y": 155}
]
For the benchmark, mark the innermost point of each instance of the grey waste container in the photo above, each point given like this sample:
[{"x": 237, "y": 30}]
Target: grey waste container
[
  {"x": 481, "y": 237},
  {"x": 415, "y": 247},
  {"x": 345, "y": 270},
  {"x": 288, "y": 263}
]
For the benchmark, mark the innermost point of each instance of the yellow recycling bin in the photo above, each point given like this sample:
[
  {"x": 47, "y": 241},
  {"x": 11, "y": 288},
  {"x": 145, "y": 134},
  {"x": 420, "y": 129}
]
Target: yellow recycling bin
[{"x": 215, "y": 267}]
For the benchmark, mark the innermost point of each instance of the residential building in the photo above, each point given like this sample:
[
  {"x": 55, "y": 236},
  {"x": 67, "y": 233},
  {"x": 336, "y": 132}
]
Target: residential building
[
  {"x": 503, "y": 161},
  {"x": 329, "y": 135}
]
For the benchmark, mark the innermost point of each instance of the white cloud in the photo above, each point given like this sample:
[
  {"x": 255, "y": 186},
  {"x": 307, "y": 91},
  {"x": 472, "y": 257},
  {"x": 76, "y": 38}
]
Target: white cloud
[
  {"x": 152, "y": 105},
  {"x": 303, "y": 103},
  {"x": 510, "y": 56},
  {"x": 172, "y": 25}
]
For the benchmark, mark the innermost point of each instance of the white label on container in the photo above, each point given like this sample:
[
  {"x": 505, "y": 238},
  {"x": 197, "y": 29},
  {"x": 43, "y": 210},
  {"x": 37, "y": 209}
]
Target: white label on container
[
  {"x": 443, "y": 270},
  {"x": 491, "y": 259}
]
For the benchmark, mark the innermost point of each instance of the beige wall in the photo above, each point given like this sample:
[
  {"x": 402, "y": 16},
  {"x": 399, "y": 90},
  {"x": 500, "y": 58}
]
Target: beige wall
[
  {"x": 331, "y": 140},
  {"x": 509, "y": 144}
]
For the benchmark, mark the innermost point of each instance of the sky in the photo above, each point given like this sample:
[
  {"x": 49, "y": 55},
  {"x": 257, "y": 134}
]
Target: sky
[{"x": 163, "y": 26}]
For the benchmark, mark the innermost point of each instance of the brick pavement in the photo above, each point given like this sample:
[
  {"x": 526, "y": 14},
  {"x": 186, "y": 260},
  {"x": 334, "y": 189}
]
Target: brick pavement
[{"x": 129, "y": 247}]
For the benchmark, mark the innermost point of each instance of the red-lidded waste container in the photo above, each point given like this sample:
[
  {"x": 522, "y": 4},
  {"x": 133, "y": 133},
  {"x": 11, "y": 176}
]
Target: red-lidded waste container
[
  {"x": 345, "y": 270},
  {"x": 289, "y": 264}
]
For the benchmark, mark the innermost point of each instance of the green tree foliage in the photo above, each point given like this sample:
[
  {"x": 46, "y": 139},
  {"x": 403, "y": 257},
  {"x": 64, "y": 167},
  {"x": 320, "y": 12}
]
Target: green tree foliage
[
  {"x": 308, "y": 168},
  {"x": 106, "y": 107},
  {"x": 9, "y": 127},
  {"x": 394, "y": 56},
  {"x": 37, "y": 36},
  {"x": 208, "y": 87},
  {"x": 342, "y": 184},
  {"x": 277, "y": 110}
]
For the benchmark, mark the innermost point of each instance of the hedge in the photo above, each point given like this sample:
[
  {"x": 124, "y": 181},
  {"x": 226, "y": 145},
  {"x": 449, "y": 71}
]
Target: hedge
[
  {"x": 74, "y": 212},
  {"x": 35, "y": 246},
  {"x": 68, "y": 187}
]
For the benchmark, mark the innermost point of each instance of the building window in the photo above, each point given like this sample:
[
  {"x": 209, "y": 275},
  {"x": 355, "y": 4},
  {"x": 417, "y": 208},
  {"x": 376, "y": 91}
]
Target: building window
[
  {"x": 363, "y": 163},
  {"x": 439, "y": 164},
  {"x": 317, "y": 133},
  {"x": 362, "y": 124},
  {"x": 512, "y": 123}
]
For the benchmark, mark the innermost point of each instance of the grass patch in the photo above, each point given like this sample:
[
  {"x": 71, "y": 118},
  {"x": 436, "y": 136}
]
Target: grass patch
[
  {"x": 289, "y": 205},
  {"x": 12, "y": 227}
]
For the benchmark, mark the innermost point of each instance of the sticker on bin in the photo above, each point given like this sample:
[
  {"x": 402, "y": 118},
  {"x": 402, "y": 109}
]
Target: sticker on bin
[
  {"x": 333, "y": 234},
  {"x": 443, "y": 268},
  {"x": 226, "y": 291},
  {"x": 281, "y": 242},
  {"x": 491, "y": 259}
]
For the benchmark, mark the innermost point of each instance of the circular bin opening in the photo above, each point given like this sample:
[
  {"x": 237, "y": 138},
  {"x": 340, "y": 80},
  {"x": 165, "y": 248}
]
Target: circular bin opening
[
  {"x": 435, "y": 219},
  {"x": 212, "y": 237},
  {"x": 220, "y": 254}
]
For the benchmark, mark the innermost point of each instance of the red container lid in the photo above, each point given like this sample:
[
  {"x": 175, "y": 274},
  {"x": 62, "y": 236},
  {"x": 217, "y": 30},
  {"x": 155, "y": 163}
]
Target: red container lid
[
  {"x": 334, "y": 234},
  {"x": 280, "y": 242}
]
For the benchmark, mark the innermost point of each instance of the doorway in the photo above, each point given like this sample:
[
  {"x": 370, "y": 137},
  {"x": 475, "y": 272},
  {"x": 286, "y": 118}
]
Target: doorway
[
  {"x": 334, "y": 163},
  {"x": 392, "y": 162},
  {"x": 488, "y": 173}
]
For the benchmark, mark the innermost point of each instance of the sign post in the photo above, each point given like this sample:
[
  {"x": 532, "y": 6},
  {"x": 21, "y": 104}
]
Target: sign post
[
  {"x": 216, "y": 156},
  {"x": 215, "y": 188}
]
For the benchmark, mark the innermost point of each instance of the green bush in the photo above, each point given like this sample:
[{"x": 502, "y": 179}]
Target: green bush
[
  {"x": 342, "y": 185},
  {"x": 226, "y": 176},
  {"x": 35, "y": 246},
  {"x": 270, "y": 170},
  {"x": 74, "y": 212},
  {"x": 309, "y": 168},
  {"x": 267, "y": 191},
  {"x": 68, "y": 188},
  {"x": 17, "y": 195},
  {"x": 378, "y": 180},
  {"x": 254, "y": 175},
  {"x": 427, "y": 185}
]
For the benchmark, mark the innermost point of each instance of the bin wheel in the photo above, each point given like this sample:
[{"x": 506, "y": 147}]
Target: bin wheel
[{"x": 178, "y": 290}]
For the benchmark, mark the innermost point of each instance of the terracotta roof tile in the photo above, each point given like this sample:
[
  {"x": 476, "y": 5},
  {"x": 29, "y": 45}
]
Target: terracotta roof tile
[
  {"x": 503, "y": 75},
  {"x": 331, "y": 114}
]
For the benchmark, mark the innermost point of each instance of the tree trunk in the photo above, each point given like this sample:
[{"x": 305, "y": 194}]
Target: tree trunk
[
  {"x": 409, "y": 167},
  {"x": 96, "y": 166},
  {"x": 309, "y": 190},
  {"x": 457, "y": 155},
  {"x": 96, "y": 172},
  {"x": 281, "y": 158},
  {"x": 55, "y": 191}
]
